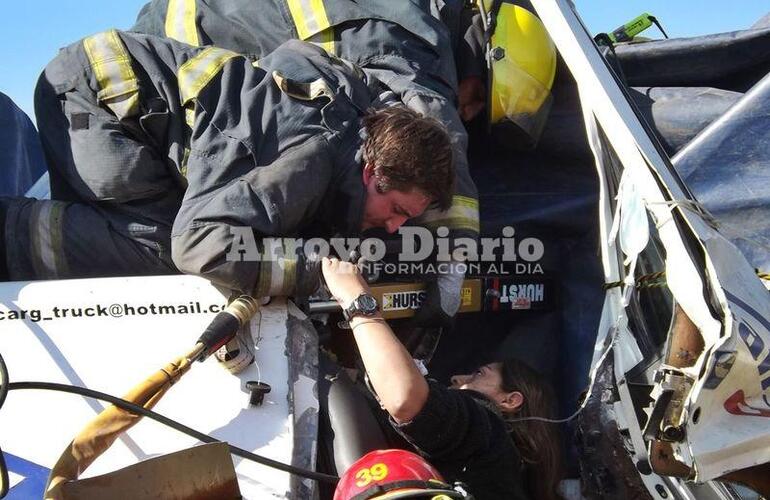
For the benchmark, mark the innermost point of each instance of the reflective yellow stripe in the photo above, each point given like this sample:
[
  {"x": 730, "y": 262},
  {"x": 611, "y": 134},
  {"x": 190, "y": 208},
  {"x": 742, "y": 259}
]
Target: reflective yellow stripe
[
  {"x": 196, "y": 73},
  {"x": 463, "y": 214},
  {"x": 309, "y": 17},
  {"x": 189, "y": 115},
  {"x": 326, "y": 40},
  {"x": 111, "y": 64},
  {"x": 180, "y": 21},
  {"x": 46, "y": 237},
  {"x": 193, "y": 77},
  {"x": 185, "y": 159}
]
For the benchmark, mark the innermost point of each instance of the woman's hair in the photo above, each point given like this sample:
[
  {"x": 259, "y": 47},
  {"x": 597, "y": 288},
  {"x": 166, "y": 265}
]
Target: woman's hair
[{"x": 539, "y": 443}]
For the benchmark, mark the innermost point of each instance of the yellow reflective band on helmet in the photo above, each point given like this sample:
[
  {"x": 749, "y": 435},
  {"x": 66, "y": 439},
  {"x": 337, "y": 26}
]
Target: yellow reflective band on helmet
[
  {"x": 278, "y": 268},
  {"x": 463, "y": 214},
  {"x": 197, "y": 72},
  {"x": 111, "y": 64},
  {"x": 180, "y": 21},
  {"x": 46, "y": 237}
]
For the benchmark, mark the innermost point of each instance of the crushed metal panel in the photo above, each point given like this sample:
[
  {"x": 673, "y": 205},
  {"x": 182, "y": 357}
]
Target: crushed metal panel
[
  {"x": 706, "y": 290},
  {"x": 728, "y": 426},
  {"x": 606, "y": 468},
  {"x": 302, "y": 348}
]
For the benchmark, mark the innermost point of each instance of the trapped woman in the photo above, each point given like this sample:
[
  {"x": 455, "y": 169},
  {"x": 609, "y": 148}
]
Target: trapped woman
[{"x": 472, "y": 432}]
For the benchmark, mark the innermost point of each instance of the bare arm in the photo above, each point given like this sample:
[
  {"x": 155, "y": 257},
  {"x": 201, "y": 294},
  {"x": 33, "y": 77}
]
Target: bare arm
[{"x": 399, "y": 384}]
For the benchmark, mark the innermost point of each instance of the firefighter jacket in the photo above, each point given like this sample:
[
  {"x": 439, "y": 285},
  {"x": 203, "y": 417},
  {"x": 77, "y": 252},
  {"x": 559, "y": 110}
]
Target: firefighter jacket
[
  {"x": 172, "y": 151},
  {"x": 404, "y": 45}
]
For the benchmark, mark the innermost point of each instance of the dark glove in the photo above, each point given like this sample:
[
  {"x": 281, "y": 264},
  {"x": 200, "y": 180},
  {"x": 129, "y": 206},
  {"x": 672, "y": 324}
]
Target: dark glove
[{"x": 442, "y": 300}]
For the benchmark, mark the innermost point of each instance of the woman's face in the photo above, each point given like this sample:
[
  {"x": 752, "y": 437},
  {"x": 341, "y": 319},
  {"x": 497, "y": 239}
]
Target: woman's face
[{"x": 487, "y": 380}]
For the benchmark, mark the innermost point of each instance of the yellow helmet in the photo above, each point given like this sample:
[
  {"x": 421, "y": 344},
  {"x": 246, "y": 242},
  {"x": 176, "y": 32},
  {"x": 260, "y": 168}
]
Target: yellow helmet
[{"x": 522, "y": 67}]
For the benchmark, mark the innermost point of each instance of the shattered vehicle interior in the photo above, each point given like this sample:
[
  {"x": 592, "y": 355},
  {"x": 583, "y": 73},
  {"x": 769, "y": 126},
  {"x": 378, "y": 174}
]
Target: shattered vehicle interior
[
  {"x": 649, "y": 139},
  {"x": 647, "y": 309}
]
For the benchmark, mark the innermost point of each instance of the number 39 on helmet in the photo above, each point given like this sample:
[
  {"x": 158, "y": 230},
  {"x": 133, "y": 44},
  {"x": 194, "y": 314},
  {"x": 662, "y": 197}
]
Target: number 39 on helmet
[{"x": 391, "y": 474}]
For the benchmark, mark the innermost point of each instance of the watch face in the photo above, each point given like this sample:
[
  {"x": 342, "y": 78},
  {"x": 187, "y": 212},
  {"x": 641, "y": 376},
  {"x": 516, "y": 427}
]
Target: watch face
[{"x": 367, "y": 303}]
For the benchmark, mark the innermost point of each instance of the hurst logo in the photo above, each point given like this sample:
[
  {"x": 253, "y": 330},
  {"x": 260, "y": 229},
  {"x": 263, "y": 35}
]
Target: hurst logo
[
  {"x": 400, "y": 301},
  {"x": 521, "y": 296}
]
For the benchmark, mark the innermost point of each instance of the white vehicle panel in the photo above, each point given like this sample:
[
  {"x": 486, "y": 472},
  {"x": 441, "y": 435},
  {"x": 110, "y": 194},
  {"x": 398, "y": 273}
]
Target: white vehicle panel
[{"x": 115, "y": 341}]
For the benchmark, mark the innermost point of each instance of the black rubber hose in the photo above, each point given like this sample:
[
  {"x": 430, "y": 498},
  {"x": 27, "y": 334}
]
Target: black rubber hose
[
  {"x": 4, "y": 481},
  {"x": 220, "y": 331},
  {"x": 134, "y": 408},
  {"x": 3, "y": 381}
]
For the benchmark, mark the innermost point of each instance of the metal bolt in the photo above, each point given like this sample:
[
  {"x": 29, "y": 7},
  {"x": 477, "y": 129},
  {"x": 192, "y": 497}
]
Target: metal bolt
[
  {"x": 497, "y": 53},
  {"x": 257, "y": 392}
]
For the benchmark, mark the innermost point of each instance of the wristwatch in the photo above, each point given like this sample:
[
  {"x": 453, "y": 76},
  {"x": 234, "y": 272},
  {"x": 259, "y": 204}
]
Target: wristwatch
[{"x": 363, "y": 305}]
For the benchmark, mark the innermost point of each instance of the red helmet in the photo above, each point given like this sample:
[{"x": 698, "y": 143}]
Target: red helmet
[{"x": 390, "y": 474}]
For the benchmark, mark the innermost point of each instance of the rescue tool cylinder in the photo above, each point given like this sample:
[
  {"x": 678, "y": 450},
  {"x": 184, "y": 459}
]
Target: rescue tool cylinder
[{"x": 226, "y": 324}]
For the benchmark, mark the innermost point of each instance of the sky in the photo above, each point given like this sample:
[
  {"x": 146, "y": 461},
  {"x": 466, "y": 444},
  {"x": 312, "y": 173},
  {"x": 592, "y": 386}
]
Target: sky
[{"x": 31, "y": 31}]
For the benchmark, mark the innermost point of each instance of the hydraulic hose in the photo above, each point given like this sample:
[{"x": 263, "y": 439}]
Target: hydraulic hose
[
  {"x": 221, "y": 330},
  {"x": 225, "y": 325},
  {"x": 4, "y": 481},
  {"x": 205, "y": 438}
]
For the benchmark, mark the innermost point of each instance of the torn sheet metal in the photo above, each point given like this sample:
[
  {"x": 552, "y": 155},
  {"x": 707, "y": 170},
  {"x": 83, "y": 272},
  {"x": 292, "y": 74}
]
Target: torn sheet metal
[{"x": 708, "y": 277}]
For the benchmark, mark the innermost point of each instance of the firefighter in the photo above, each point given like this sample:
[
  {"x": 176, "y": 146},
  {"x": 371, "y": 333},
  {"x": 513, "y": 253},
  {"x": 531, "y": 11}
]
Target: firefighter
[
  {"x": 404, "y": 46},
  {"x": 407, "y": 46},
  {"x": 477, "y": 432},
  {"x": 161, "y": 154}
]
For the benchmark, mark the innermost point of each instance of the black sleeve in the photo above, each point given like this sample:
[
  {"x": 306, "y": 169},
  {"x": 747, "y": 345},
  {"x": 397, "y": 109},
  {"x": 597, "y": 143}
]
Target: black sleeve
[
  {"x": 469, "y": 55},
  {"x": 451, "y": 426},
  {"x": 270, "y": 200},
  {"x": 466, "y": 440}
]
